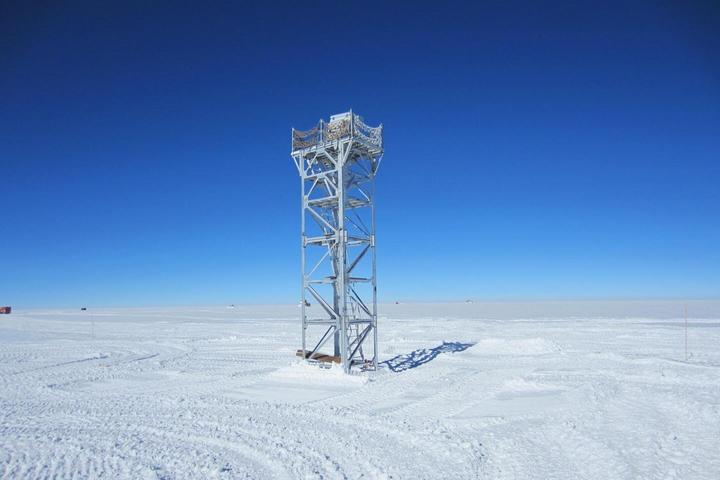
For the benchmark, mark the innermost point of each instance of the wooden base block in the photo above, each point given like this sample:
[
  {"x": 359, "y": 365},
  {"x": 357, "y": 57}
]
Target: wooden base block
[{"x": 320, "y": 357}]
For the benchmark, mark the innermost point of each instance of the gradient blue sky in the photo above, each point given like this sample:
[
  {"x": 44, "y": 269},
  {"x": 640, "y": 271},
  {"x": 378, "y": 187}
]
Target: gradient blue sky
[{"x": 558, "y": 150}]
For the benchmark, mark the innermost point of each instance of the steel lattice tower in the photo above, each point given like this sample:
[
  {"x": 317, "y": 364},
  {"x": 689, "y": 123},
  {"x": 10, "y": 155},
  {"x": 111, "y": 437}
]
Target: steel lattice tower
[{"x": 337, "y": 162}]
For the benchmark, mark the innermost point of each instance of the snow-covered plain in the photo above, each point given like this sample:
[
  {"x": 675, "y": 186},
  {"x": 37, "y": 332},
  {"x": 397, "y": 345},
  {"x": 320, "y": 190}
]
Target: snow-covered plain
[{"x": 501, "y": 391}]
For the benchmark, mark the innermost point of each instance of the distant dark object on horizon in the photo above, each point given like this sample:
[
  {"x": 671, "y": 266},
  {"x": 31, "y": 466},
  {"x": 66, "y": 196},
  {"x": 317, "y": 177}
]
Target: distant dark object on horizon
[
  {"x": 83, "y": 309},
  {"x": 5, "y": 310}
]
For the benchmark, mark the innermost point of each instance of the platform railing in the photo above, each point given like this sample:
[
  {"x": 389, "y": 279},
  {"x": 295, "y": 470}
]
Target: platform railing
[{"x": 342, "y": 128}]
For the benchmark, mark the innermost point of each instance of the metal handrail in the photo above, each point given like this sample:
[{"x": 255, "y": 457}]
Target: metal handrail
[{"x": 323, "y": 132}]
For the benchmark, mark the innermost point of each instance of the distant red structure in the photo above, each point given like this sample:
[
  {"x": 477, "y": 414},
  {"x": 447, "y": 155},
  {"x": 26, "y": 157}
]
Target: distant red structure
[{"x": 5, "y": 309}]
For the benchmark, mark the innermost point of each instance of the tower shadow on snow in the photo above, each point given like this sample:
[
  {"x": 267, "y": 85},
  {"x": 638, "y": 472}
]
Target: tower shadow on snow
[{"x": 422, "y": 356}]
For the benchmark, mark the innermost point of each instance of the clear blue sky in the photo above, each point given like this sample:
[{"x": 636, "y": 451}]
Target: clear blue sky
[{"x": 532, "y": 151}]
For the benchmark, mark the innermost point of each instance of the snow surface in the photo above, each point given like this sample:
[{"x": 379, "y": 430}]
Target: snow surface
[{"x": 467, "y": 391}]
